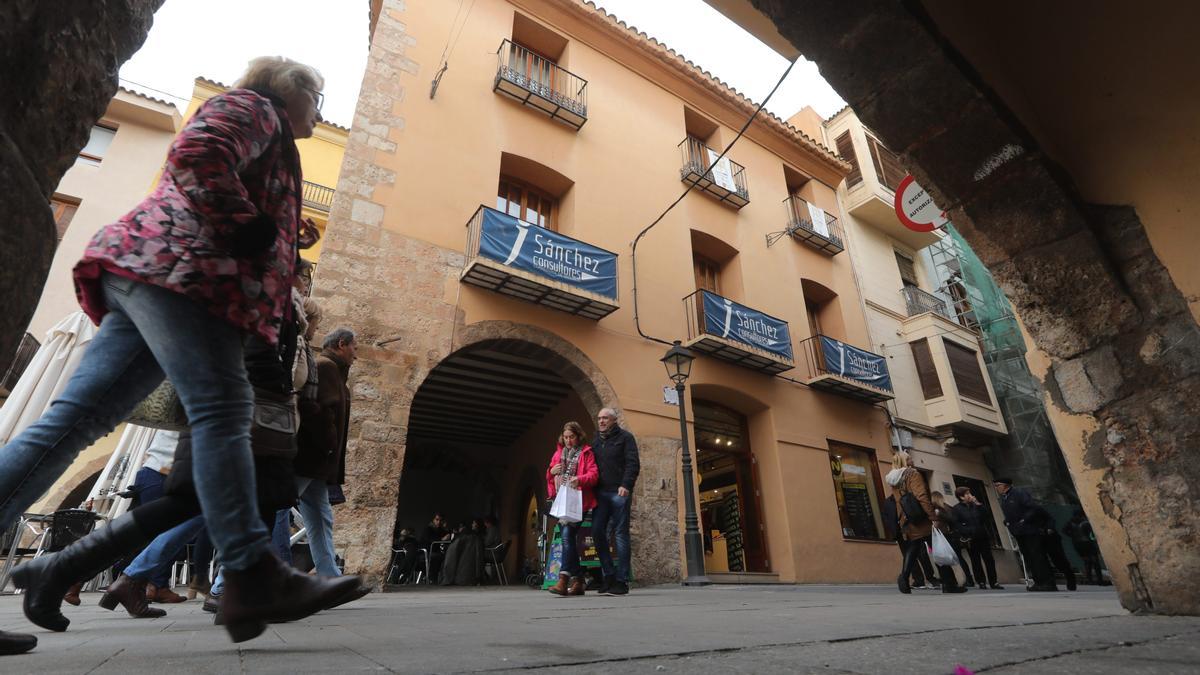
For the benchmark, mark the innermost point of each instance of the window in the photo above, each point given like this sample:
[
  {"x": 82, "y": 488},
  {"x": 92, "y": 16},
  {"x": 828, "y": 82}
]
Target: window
[
  {"x": 887, "y": 165},
  {"x": 931, "y": 385},
  {"x": 964, "y": 364},
  {"x": 708, "y": 274},
  {"x": 908, "y": 269},
  {"x": 98, "y": 142},
  {"x": 526, "y": 202},
  {"x": 845, "y": 148},
  {"x": 822, "y": 310},
  {"x": 64, "y": 209},
  {"x": 857, "y": 489}
]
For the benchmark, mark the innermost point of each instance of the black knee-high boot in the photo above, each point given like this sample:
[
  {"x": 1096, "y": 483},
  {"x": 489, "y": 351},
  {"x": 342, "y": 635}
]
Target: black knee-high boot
[
  {"x": 47, "y": 579},
  {"x": 906, "y": 568}
]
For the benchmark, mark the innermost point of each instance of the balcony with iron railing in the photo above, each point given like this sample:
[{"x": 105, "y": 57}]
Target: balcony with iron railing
[
  {"x": 730, "y": 331},
  {"x": 725, "y": 180},
  {"x": 845, "y": 370},
  {"x": 537, "y": 82},
  {"x": 317, "y": 196},
  {"x": 920, "y": 302},
  {"x": 813, "y": 226},
  {"x": 530, "y": 263}
]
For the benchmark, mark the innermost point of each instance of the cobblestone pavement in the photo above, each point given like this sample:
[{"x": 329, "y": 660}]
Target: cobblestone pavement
[{"x": 750, "y": 629}]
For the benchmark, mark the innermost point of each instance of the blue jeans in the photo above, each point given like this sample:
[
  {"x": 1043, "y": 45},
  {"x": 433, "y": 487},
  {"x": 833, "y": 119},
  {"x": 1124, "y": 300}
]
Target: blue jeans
[
  {"x": 281, "y": 535},
  {"x": 318, "y": 520},
  {"x": 154, "y": 562},
  {"x": 150, "y": 331},
  {"x": 613, "y": 510},
  {"x": 570, "y": 550}
]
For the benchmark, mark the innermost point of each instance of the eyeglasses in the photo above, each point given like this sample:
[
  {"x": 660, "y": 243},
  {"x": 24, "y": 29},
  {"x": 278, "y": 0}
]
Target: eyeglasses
[{"x": 318, "y": 98}]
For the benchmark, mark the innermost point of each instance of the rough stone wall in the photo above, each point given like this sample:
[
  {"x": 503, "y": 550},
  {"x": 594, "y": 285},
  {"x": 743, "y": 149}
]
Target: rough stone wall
[
  {"x": 1124, "y": 351},
  {"x": 58, "y": 71},
  {"x": 654, "y": 521}
]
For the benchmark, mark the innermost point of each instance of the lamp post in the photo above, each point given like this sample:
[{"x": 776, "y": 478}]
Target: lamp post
[{"x": 679, "y": 367}]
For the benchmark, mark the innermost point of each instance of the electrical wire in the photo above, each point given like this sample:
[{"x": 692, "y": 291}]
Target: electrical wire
[
  {"x": 633, "y": 256},
  {"x": 157, "y": 91},
  {"x": 451, "y": 43}
]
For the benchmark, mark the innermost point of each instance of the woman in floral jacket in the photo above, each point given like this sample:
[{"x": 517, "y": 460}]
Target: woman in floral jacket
[
  {"x": 574, "y": 465},
  {"x": 177, "y": 285}
]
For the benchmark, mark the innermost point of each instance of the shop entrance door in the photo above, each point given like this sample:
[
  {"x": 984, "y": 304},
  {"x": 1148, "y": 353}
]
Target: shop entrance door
[{"x": 730, "y": 499}]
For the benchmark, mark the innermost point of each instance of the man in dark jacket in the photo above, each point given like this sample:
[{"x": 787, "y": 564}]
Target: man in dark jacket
[
  {"x": 1021, "y": 517},
  {"x": 321, "y": 455},
  {"x": 616, "y": 454},
  {"x": 1052, "y": 544},
  {"x": 971, "y": 530}
]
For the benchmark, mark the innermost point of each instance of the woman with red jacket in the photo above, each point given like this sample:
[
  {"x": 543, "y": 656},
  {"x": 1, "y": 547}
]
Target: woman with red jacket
[{"x": 574, "y": 465}]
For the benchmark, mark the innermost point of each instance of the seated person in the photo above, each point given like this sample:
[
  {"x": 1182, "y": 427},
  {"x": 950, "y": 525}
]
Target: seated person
[
  {"x": 436, "y": 530},
  {"x": 491, "y": 537},
  {"x": 464, "y": 557},
  {"x": 405, "y": 555}
]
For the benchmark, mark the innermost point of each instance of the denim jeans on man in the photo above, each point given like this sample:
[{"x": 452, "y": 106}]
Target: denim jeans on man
[
  {"x": 612, "y": 510},
  {"x": 154, "y": 562},
  {"x": 150, "y": 331},
  {"x": 281, "y": 535},
  {"x": 317, "y": 514}
]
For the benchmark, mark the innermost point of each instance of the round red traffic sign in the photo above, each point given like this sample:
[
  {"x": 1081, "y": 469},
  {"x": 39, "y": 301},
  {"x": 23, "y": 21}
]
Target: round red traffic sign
[{"x": 916, "y": 209}]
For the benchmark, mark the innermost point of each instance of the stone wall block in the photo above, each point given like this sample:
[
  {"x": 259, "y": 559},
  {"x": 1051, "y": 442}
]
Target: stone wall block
[{"x": 906, "y": 104}]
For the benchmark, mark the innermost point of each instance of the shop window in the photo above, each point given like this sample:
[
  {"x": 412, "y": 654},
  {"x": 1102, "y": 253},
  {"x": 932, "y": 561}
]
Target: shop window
[
  {"x": 887, "y": 164},
  {"x": 845, "y": 148},
  {"x": 99, "y": 140},
  {"x": 858, "y": 490},
  {"x": 964, "y": 364},
  {"x": 931, "y": 385},
  {"x": 526, "y": 202},
  {"x": 64, "y": 209},
  {"x": 908, "y": 269}
]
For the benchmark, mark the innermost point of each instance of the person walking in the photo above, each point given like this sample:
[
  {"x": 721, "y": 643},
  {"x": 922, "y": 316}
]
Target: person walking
[
  {"x": 178, "y": 285},
  {"x": 1021, "y": 518},
  {"x": 972, "y": 532},
  {"x": 922, "y": 575},
  {"x": 943, "y": 520},
  {"x": 321, "y": 456},
  {"x": 916, "y": 520},
  {"x": 1053, "y": 546},
  {"x": 573, "y": 466},
  {"x": 616, "y": 453},
  {"x": 1083, "y": 539}
]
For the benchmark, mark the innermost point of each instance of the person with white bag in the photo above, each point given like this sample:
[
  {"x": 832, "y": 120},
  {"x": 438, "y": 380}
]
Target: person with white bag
[
  {"x": 941, "y": 551},
  {"x": 917, "y": 521},
  {"x": 569, "y": 481}
]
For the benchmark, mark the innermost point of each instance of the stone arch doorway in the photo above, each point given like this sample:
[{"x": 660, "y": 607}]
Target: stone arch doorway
[{"x": 483, "y": 425}]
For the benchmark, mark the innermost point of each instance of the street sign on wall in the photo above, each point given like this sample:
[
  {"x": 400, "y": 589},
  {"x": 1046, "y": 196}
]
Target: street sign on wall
[{"x": 916, "y": 209}]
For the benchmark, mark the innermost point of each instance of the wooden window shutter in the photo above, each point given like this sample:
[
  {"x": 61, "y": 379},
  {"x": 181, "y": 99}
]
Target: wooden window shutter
[
  {"x": 931, "y": 386},
  {"x": 887, "y": 165},
  {"x": 964, "y": 364},
  {"x": 908, "y": 270},
  {"x": 845, "y": 148},
  {"x": 64, "y": 210}
]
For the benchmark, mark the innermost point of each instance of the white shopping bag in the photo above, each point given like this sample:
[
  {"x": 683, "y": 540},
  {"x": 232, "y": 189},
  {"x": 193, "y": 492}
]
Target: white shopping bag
[
  {"x": 941, "y": 552},
  {"x": 568, "y": 505}
]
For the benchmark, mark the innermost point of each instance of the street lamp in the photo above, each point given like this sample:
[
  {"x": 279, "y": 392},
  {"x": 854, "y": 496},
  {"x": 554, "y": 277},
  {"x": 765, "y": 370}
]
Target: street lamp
[{"x": 679, "y": 367}]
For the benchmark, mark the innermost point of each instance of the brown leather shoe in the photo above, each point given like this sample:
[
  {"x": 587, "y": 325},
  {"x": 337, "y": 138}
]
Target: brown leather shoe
[
  {"x": 72, "y": 596},
  {"x": 578, "y": 586},
  {"x": 562, "y": 586},
  {"x": 131, "y": 594},
  {"x": 163, "y": 596},
  {"x": 270, "y": 591}
]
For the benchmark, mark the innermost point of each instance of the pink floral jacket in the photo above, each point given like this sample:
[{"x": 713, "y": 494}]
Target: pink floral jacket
[{"x": 234, "y": 163}]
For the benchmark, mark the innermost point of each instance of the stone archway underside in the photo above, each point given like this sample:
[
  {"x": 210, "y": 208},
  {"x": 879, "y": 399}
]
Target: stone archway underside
[{"x": 1125, "y": 350}]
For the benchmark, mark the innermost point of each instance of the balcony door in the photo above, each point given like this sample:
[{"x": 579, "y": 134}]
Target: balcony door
[
  {"x": 730, "y": 497},
  {"x": 528, "y": 203},
  {"x": 708, "y": 278}
]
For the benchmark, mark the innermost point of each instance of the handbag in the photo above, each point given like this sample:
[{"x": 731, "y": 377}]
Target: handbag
[
  {"x": 940, "y": 550},
  {"x": 273, "y": 433},
  {"x": 568, "y": 505},
  {"x": 912, "y": 509},
  {"x": 160, "y": 410}
]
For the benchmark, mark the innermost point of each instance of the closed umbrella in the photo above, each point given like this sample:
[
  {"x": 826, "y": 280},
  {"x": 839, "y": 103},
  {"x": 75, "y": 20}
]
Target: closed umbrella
[{"x": 47, "y": 374}]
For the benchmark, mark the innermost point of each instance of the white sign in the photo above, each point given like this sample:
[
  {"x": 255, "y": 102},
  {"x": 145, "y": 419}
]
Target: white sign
[
  {"x": 817, "y": 216},
  {"x": 916, "y": 209},
  {"x": 854, "y": 470},
  {"x": 670, "y": 396},
  {"x": 722, "y": 171}
]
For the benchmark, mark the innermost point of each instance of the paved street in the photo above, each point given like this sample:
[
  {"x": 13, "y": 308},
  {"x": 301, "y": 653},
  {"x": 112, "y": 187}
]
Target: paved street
[{"x": 750, "y": 629}]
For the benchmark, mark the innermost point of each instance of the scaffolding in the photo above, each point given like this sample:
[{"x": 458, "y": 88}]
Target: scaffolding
[{"x": 1030, "y": 453}]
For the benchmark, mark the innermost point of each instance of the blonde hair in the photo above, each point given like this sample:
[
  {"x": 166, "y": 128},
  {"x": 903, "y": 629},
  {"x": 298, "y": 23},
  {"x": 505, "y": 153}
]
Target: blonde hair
[
  {"x": 280, "y": 76},
  {"x": 938, "y": 499},
  {"x": 900, "y": 460}
]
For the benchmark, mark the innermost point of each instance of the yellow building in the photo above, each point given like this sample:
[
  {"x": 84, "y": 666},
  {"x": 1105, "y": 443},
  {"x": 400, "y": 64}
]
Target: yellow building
[
  {"x": 481, "y": 247},
  {"x": 117, "y": 168}
]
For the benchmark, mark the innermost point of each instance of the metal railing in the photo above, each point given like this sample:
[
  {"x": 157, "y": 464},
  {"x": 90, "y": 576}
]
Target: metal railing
[
  {"x": 697, "y": 159},
  {"x": 693, "y": 308},
  {"x": 920, "y": 302},
  {"x": 814, "y": 358},
  {"x": 541, "y": 76},
  {"x": 474, "y": 232},
  {"x": 318, "y": 196},
  {"x": 800, "y": 216}
]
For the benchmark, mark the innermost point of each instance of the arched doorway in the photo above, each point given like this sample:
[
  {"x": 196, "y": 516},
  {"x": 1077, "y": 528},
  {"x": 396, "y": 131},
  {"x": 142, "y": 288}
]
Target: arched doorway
[{"x": 481, "y": 430}]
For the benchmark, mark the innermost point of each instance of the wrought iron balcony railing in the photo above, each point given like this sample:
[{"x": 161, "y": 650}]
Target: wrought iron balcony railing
[
  {"x": 845, "y": 370},
  {"x": 540, "y": 83},
  {"x": 814, "y": 226},
  {"x": 318, "y": 196},
  {"x": 920, "y": 302},
  {"x": 725, "y": 180},
  {"x": 732, "y": 332}
]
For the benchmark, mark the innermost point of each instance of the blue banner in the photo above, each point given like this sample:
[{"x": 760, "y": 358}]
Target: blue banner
[
  {"x": 855, "y": 364},
  {"x": 525, "y": 246},
  {"x": 728, "y": 319}
]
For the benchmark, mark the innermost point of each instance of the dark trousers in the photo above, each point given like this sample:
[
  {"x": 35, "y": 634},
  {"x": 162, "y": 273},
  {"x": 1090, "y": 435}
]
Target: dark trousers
[
  {"x": 1033, "y": 552},
  {"x": 1052, "y": 544},
  {"x": 612, "y": 509},
  {"x": 915, "y": 547},
  {"x": 980, "y": 550},
  {"x": 1091, "y": 561},
  {"x": 922, "y": 570},
  {"x": 962, "y": 551}
]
